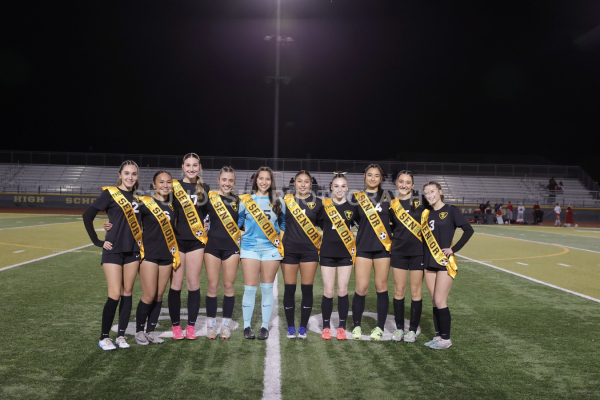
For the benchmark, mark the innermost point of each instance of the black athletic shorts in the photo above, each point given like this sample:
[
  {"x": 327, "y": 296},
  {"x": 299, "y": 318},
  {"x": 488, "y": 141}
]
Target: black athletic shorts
[
  {"x": 221, "y": 254},
  {"x": 436, "y": 268},
  {"x": 120, "y": 258},
  {"x": 373, "y": 255},
  {"x": 187, "y": 246},
  {"x": 336, "y": 261},
  {"x": 410, "y": 263},
  {"x": 160, "y": 261},
  {"x": 297, "y": 258}
]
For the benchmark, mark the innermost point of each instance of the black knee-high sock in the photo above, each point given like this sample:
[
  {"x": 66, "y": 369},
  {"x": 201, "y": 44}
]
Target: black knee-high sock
[
  {"x": 416, "y": 307},
  {"x": 289, "y": 303},
  {"x": 358, "y": 307},
  {"x": 327, "y": 308},
  {"x": 108, "y": 315},
  {"x": 211, "y": 307},
  {"x": 153, "y": 317},
  {"x": 175, "y": 306},
  {"x": 444, "y": 321},
  {"x": 399, "y": 313},
  {"x": 307, "y": 304},
  {"x": 383, "y": 305},
  {"x": 193, "y": 305},
  {"x": 343, "y": 305},
  {"x": 141, "y": 315},
  {"x": 436, "y": 323},
  {"x": 228, "y": 304},
  {"x": 124, "y": 314}
]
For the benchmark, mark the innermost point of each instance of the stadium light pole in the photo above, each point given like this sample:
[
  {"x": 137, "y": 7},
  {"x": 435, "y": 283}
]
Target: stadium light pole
[{"x": 277, "y": 78}]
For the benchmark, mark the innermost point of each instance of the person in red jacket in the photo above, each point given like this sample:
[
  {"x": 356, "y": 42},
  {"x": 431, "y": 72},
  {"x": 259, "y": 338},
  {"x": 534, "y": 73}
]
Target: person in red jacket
[
  {"x": 569, "y": 217},
  {"x": 509, "y": 212}
]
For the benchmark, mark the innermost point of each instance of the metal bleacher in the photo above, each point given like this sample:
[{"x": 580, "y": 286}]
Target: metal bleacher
[{"x": 458, "y": 189}]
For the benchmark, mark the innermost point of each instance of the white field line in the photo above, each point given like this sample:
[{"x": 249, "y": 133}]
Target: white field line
[
  {"x": 533, "y": 241},
  {"x": 43, "y": 258},
  {"x": 532, "y": 279},
  {"x": 41, "y": 224},
  {"x": 18, "y": 251},
  {"x": 272, "y": 377},
  {"x": 554, "y": 233},
  {"x": 564, "y": 265},
  {"x": 522, "y": 263}
]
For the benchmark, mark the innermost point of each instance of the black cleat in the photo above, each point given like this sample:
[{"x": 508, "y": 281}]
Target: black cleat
[
  {"x": 248, "y": 334},
  {"x": 263, "y": 334}
]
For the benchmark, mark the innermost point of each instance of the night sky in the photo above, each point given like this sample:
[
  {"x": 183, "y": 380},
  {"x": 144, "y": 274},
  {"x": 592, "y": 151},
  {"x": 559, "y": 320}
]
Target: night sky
[{"x": 371, "y": 79}]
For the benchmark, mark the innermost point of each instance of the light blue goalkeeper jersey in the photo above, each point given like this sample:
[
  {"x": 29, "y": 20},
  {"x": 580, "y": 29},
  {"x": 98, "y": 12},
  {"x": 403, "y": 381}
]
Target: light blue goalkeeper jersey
[{"x": 254, "y": 239}]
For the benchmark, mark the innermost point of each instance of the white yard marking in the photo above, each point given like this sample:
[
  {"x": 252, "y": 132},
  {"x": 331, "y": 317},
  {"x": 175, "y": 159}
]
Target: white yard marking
[
  {"x": 553, "y": 233},
  {"x": 522, "y": 263},
  {"x": 531, "y": 279},
  {"x": 32, "y": 226},
  {"x": 272, "y": 374},
  {"x": 18, "y": 251},
  {"x": 43, "y": 258},
  {"x": 564, "y": 265},
  {"x": 551, "y": 244},
  {"x": 99, "y": 230}
]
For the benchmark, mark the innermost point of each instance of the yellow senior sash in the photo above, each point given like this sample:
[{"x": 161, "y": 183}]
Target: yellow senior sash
[
  {"x": 404, "y": 217},
  {"x": 165, "y": 225},
  {"x": 340, "y": 226},
  {"x": 225, "y": 217},
  {"x": 303, "y": 220},
  {"x": 129, "y": 212},
  {"x": 261, "y": 219},
  {"x": 190, "y": 212},
  {"x": 434, "y": 247},
  {"x": 374, "y": 219}
]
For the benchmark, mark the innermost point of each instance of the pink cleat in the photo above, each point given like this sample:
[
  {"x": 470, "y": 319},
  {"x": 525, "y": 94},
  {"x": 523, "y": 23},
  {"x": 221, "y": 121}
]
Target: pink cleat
[
  {"x": 190, "y": 332},
  {"x": 177, "y": 333}
]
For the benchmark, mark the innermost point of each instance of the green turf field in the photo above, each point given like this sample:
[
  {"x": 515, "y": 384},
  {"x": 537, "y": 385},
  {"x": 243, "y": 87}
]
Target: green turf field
[{"x": 513, "y": 338}]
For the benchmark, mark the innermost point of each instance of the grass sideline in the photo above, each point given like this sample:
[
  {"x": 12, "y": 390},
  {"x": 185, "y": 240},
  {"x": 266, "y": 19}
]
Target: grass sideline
[{"x": 512, "y": 338}]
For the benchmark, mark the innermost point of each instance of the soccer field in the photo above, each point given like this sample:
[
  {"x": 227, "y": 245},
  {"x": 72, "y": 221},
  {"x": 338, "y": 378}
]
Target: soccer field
[{"x": 525, "y": 313}]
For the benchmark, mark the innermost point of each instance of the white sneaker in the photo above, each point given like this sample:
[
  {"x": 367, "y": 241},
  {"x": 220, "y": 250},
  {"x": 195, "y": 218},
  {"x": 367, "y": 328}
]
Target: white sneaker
[
  {"x": 154, "y": 338},
  {"x": 433, "y": 341},
  {"x": 441, "y": 344},
  {"x": 140, "y": 338},
  {"x": 410, "y": 337},
  {"x": 106, "y": 344},
  {"x": 122, "y": 343}
]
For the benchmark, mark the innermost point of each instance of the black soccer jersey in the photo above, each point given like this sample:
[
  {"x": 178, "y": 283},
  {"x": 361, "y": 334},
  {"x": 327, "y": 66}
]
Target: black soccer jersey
[
  {"x": 366, "y": 238},
  {"x": 183, "y": 230},
  {"x": 218, "y": 237},
  {"x": 404, "y": 242},
  {"x": 332, "y": 245},
  {"x": 155, "y": 243},
  {"x": 120, "y": 234},
  {"x": 443, "y": 224},
  {"x": 295, "y": 240}
]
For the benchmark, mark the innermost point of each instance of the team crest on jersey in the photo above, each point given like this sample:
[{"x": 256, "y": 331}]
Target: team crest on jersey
[
  {"x": 417, "y": 203},
  {"x": 443, "y": 215},
  {"x": 270, "y": 205},
  {"x": 385, "y": 198},
  {"x": 234, "y": 206},
  {"x": 348, "y": 215},
  {"x": 311, "y": 205}
]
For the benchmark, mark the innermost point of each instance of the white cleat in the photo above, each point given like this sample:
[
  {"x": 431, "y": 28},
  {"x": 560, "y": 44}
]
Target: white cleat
[
  {"x": 122, "y": 343},
  {"x": 106, "y": 344}
]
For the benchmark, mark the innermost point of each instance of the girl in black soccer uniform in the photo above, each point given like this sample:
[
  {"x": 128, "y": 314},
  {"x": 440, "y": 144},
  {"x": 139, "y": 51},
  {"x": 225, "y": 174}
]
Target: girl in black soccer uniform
[
  {"x": 335, "y": 256},
  {"x": 300, "y": 254},
  {"x": 120, "y": 253},
  {"x": 221, "y": 249},
  {"x": 191, "y": 250},
  {"x": 407, "y": 255},
  {"x": 157, "y": 264},
  {"x": 372, "y": 253},
  {"x": 443, "y": 221}
]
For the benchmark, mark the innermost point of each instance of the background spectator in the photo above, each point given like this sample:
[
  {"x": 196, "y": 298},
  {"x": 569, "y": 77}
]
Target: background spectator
[
  {"x": 569, "y": 217},
  {"x": 509, "y": 212},
  {"x": 497, "y": 206},
  {"x": 520, "y": 213}
]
